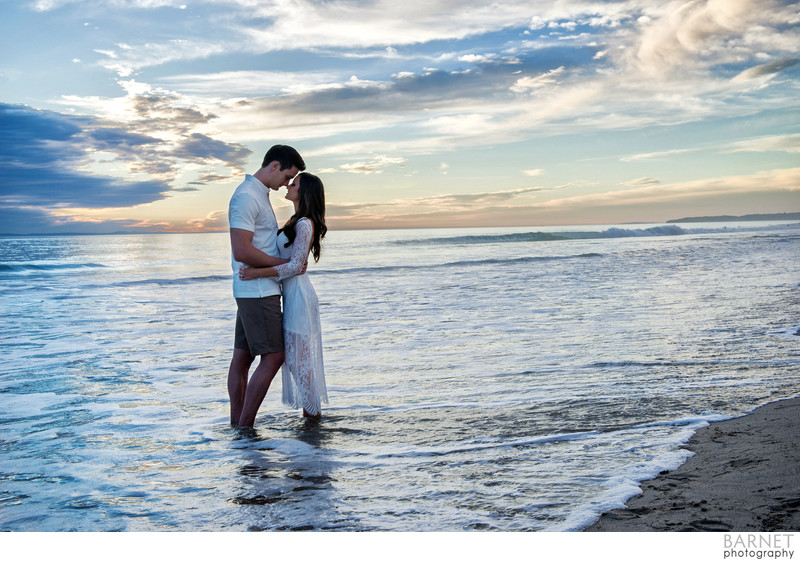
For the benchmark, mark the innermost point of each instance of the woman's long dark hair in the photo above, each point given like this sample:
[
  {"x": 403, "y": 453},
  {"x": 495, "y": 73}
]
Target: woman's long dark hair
[{"x": 312, "y": 206}]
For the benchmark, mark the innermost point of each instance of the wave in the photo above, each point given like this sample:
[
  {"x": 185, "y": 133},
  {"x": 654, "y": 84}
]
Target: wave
[
  {"x": 379, "y": 269},
  {"x": 549, "y": 236},
  {"x": 610, "y": 233},
  {"x": 167, "y": 282},
  {"x": 32, "y": 267},
  {"x": 663, "y": 363},
  {"x": 411, "y": 451},
  {"x": 477, "y": 263},
  {"x": 419, "y": 451}
]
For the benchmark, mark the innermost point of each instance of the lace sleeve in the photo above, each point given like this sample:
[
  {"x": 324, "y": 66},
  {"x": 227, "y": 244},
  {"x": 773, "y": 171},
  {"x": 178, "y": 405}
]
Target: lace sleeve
[{"x": 300, "y": 248}]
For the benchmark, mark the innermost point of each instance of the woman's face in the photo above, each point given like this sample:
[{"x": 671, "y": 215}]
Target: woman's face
[{"x": 293, "y": 190}]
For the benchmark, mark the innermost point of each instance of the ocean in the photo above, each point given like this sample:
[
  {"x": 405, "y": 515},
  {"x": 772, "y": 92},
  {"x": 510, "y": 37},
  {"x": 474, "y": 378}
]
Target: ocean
[{"x": 498, "y": 379}]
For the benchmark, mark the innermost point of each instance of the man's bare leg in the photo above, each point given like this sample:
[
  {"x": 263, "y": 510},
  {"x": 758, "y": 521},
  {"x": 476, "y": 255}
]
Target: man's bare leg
[
  {"x": 237, "y": 381},
  {"x": 258, "y": 386}
]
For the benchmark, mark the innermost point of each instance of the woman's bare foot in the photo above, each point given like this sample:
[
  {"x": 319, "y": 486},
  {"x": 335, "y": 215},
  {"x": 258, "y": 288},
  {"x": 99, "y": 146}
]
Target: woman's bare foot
[{"x": 308, "y": 415}]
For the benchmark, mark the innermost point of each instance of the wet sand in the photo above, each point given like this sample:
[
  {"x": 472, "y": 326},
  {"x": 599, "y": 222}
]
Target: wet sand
[{"x": 744, "y": 477}]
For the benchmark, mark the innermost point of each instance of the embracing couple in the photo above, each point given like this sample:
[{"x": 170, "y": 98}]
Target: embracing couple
[{"x": 264, "y": 259}]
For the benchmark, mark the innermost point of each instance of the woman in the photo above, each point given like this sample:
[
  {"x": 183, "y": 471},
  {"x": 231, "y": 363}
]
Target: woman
[{"x": 303, "y": 372}]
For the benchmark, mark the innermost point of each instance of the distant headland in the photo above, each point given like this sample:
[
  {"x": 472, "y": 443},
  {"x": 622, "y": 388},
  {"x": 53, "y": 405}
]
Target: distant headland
[{"x": 745, "y": 218}]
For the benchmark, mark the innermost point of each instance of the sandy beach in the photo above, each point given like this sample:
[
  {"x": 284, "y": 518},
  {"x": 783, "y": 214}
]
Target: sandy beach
[{"x": 744, "y": 476}]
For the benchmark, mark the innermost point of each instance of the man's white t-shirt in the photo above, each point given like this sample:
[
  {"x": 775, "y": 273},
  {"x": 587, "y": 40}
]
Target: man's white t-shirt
[{"x": 251, "y": 210}]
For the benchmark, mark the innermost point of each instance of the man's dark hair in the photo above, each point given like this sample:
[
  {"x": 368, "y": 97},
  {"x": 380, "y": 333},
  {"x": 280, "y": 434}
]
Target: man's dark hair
[{"x": 286, "y": 155}]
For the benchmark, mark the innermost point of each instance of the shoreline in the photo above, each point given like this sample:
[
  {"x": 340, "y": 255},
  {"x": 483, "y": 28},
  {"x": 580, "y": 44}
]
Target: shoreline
[{"x": 744, "y": 476}]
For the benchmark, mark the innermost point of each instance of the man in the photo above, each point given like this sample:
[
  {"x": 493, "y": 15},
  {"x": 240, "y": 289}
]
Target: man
[{"x": 259, "y": 323}]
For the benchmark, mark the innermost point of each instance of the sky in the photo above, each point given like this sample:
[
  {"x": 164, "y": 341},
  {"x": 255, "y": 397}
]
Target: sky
[{"x": 144, "y": 115}]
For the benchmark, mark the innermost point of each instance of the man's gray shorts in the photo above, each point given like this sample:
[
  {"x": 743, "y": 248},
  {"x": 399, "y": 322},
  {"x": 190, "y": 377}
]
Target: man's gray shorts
[{"x": 259, "y": 325}]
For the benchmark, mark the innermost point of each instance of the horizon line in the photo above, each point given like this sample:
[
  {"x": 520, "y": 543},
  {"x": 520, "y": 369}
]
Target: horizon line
[{"x": 780, "y": 216}]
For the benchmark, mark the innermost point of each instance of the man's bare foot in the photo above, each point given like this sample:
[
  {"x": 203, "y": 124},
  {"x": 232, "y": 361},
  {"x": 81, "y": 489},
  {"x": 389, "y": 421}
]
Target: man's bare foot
[
  {"x": 242, "y": 433},
  {"x": 308, "y": 415}
]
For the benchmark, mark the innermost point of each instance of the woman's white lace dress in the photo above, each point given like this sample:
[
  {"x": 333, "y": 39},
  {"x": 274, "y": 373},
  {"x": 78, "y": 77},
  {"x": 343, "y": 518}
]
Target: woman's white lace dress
[{"x": 303, "y": 371}]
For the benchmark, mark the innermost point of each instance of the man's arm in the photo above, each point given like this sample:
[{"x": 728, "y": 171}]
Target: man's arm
[{"x": 244, "y": 252}]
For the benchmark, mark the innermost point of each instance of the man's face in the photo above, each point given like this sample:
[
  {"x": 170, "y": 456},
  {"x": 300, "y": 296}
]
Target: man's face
[{"x": 280, "y": 177}]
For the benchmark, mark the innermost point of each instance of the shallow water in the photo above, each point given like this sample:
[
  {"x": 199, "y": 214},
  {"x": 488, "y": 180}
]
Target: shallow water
[{"x": 488, "y": 379}]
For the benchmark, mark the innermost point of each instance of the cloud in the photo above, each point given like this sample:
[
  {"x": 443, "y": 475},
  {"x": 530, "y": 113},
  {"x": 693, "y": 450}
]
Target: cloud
[
  {"x": 527, "y": 83},
  {"x": 39, "y": 151},
  {"x": 641, "y": 181},
  {"x": 201, "y": 147},
  {"x": 650, "y": 202},
  {"x": 779, "y": 143},
  {"x": 480, "y": 199},
  {"x": 252, "y": 83},
  {"x": 767, "y": 69},
  {"x": 785, "y": 182},
  {"x": 129, "y": 59},
  {"x": 18, "y": 220},
  {"x": 663, "y": 63},
  {"x": 535, "y": 88},
  {"x": 349, "y": 209},
  {"x": 119, "y": 141},
  {"x": 44, "y": 157},
  {"x": 47, "y": 5},
  {"x": 445, "y": 107},
  {"x": 347, "y": 26},
  {"x": 688, "y": 36},
  {"x": 654, "y": 155},
  {"x": 215, "y": 221},
  {"x": 210, "y": 178},
  {"x": 155, "y": 111},
  {"x": 378, "y": 164},
  {"x": 353, "y": 28},
  {"x": 355, "y": 24},
  {"x": 157, "y": 132},
  {"x": 789, "y": 143},
  {"x": 477, "y": 58},
  {"x": 453, "y": 203}
]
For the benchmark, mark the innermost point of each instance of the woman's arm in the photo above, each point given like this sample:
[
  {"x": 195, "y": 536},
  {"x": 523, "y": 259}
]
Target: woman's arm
[{"x": 298, "y": 261}]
